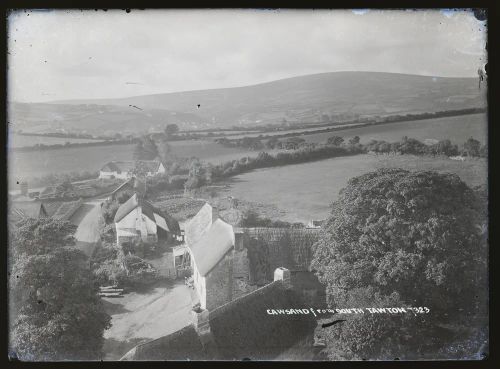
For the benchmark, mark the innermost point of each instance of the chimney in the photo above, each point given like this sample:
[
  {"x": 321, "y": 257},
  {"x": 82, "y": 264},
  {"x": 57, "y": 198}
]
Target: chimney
[
  {"x": 215, "y": 213},
  {"x": 200, "y": 320},
  {"x": 238, "y": 239},
  {"x": 24, "y": 188},
  {"x": 283, "y": 274}
]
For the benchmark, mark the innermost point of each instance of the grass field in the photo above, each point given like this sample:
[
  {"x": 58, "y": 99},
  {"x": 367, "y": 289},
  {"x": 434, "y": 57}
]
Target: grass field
[
  {"x": 25, "y": 165},
  {"x": 305, "y": 191},
  {"x": 457, "y": 129}
]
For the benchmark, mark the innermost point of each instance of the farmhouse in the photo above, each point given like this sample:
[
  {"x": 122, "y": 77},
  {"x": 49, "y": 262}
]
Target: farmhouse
[
  {"x": 241, "y": 329},
  {"x": 219, "y": 261},
  {"x": 123, "y": 169},
  {"x": 228, "y": 262},
  {"x": 137, "y": 220}
]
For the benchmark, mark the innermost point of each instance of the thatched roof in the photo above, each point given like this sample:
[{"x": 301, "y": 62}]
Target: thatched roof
[
  {"x": 199, "y": 224},
  {"x": 212, "y": 246}
]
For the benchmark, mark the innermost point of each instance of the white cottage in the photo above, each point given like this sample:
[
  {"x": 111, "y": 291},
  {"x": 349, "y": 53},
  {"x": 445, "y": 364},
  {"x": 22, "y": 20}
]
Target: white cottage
[
  {"x": 123, "y": 169},
  {"x": 136, "y": 219},
  {"x": 219, "y": 261}
]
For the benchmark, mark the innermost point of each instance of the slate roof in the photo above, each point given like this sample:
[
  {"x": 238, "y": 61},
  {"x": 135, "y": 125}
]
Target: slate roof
[
  {"x": 212, "y": 246},
  {"x": 134, "y": 184},
  {"x": 184, "y": 344},
  {"x": 131, "y": 204},
  {"x": 172, "y": 223},
  {"x": 160, "y": 222},
  {"x": 245, "y": 330},
  {"x": 241, "y": 329},
  {"x": 126, "y": 166}
]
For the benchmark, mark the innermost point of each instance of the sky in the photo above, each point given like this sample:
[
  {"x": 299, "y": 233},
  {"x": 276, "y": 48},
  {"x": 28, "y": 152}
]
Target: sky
[{"x": 74, "y": 54}]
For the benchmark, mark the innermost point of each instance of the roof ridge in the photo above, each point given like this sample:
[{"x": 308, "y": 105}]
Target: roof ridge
[{"x": 220, "y": 309}]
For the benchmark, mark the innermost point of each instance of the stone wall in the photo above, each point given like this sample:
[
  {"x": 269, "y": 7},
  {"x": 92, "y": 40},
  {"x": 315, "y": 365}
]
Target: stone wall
[
  {"x": 241, "y": 274},
  {"x": 219, "y": 283}
]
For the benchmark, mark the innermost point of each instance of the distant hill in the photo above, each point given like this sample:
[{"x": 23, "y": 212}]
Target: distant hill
[{"x": 327, "y": 96}]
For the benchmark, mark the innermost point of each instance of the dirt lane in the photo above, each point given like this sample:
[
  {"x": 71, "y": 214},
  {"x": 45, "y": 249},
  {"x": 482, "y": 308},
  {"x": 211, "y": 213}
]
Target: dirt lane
[{"x": 140, "y": 317}]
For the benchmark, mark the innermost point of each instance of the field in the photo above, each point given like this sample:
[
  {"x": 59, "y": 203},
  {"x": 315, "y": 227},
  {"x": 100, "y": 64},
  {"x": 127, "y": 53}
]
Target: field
[
  {"x": 25, "y": 165},
  {"x": 305, "y": 191},
  {"x": 457, "y": 129},
  {"x": 26, "y": 141}
]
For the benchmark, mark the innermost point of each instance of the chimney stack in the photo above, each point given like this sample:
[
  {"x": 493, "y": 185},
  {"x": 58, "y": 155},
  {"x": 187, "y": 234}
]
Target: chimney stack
[
  {"x": 24, "y": 188},
  {"x": 200, "y": 319},
  {"x": 283, "y": 274},
  {"x": 215, "y": 213},
  {"x": 239, "y": 237}
]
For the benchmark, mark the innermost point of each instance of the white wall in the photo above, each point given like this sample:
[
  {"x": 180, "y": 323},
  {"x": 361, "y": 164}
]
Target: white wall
[
  {"x": 199, "y": 284},
  {"x": 137, "y": 221},
  {"x": 122, "y": 175}
]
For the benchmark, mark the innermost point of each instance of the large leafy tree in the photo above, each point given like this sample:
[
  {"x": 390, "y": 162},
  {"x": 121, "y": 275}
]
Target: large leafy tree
[
  {"x": 171, "y": 129},
  {"x": 414, "y": 234},
  {"x": 55, "y": 313},
  {"x": 42, "y": 235}
]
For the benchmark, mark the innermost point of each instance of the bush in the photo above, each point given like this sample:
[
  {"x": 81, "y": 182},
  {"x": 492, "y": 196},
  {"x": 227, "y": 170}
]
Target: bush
[
  {"x": 139, "y": 271},
  {"x": 109, "y": 209}
]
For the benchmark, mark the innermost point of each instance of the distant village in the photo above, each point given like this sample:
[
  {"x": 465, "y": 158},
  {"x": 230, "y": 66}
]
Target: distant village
[{"x": 233, "y": 273}]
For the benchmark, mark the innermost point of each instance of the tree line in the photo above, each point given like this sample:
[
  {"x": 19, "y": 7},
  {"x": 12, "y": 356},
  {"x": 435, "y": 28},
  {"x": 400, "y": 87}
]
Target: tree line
[
  {"x": 202, "y": 174},
  {"x": 42, "y": 147},
  {"x": 192, "y": 173},
  {"x": 272, "y": 141}
]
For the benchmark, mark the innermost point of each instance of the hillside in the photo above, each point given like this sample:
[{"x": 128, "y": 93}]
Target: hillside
[
  {"x": 93, "y": 118},
  {"x": 312, "y": 98}
]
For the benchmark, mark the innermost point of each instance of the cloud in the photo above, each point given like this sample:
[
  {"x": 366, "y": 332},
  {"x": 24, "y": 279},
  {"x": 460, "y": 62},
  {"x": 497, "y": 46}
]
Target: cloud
[{"x": 93, "y": 54}]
